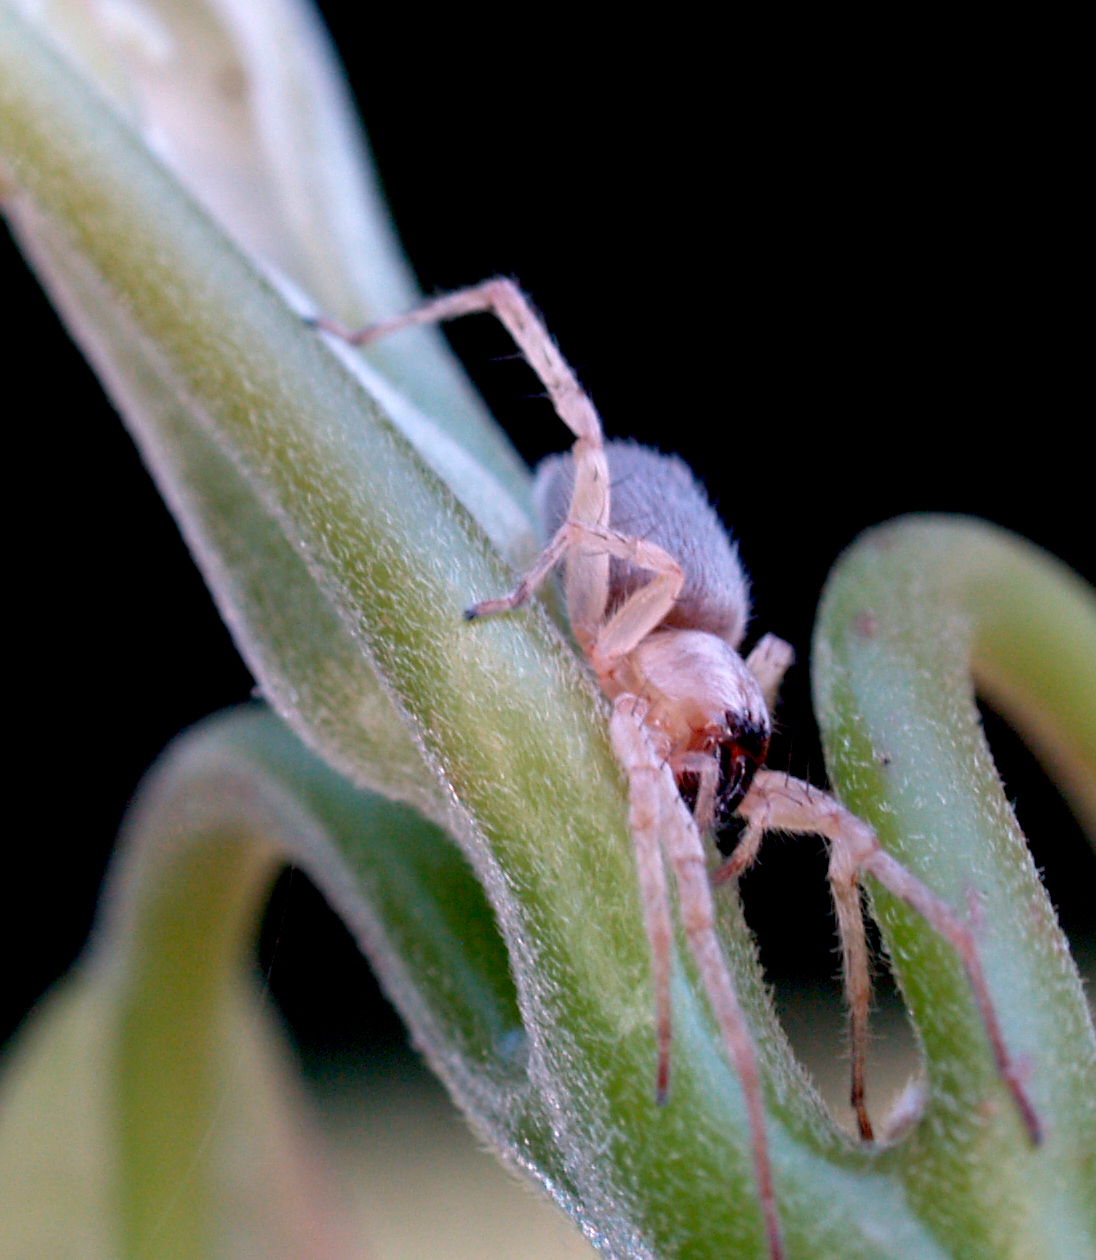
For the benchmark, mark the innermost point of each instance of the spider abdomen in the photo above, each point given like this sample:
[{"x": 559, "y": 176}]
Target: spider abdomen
[{"x": 656, "y": 497}]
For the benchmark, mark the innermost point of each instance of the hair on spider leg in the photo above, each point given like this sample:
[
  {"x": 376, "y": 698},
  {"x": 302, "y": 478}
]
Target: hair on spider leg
[{"x": 658, "y": 603}]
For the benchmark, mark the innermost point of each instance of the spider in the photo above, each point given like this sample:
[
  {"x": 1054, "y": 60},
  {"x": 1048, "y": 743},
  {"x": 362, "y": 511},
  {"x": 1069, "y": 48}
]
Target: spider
[{"x": 658, "y": 603}]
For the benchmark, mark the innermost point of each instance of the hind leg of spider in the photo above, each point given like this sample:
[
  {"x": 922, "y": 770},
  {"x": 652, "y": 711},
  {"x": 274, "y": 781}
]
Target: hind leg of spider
[
  {"x": 503, "y": 299},
  {"x": 636, "y": 617},
  {"x": 781, "y": 803},
  {"x": 652, "y": 775},
  {"x": 587, "y": 570}
]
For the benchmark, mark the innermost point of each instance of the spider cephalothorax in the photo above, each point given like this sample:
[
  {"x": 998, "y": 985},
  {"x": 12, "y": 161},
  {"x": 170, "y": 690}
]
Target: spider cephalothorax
[
  {"x": 658, "y": 603},
  {"x": 706, "y": 714}
]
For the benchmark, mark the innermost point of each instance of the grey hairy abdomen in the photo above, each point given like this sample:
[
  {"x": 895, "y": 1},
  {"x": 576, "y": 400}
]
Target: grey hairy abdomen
[{"x": 656, "y": 497}]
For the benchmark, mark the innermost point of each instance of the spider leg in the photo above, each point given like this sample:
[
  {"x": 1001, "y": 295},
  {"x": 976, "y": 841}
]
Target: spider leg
[
  {"x": 894, "y": 877},
  {"x": 707, "y": 770},
  {"x": 790, "y": 805},
  {"x": 587, "y": 571},
  {"x": 686, "y": 854},
  {"x": 545, "y": 563},
  {"x": 503, "y": 299},
  {"x": 844, "y": 878},
  {"x": 642, "y": 611},
  {"x": 769, "y": 661},
  {"x": 845, "y": 890},
  {"x": 745, "y": 851},
  {"x": 645, "y": 825},
  {"x": 633, "y": 621}
]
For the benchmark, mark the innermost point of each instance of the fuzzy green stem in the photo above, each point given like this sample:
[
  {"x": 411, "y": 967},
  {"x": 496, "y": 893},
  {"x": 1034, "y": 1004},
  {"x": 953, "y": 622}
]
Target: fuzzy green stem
[{"x": 912, "y": 613}]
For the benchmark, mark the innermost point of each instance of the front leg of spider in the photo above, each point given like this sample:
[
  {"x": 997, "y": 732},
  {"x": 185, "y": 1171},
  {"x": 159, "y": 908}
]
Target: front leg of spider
[
  {"x": 776, "y": 802},
  {"x": 659, "y": 820}
]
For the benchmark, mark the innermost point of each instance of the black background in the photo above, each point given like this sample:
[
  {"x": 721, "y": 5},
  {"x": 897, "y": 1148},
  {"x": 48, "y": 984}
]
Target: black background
[{"x": 841, "y": 280}]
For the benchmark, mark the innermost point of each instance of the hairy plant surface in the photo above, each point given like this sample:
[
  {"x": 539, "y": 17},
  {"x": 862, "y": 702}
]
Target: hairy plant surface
[{"x": 449, "y": 786}]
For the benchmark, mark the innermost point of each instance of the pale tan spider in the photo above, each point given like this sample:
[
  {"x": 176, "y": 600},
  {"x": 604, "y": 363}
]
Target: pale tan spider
[{"x": 658, "y": 603}]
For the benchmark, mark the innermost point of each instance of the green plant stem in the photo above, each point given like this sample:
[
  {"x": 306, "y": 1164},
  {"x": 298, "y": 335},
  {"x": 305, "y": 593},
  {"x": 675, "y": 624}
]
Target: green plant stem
[
  {"x": 338, "y": 545},
  {"x": 913, "y": 611}
]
